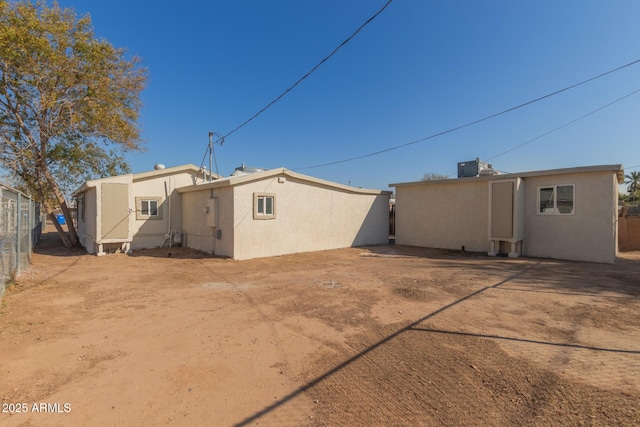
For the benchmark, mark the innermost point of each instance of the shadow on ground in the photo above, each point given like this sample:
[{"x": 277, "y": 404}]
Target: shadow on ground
[{"x": 51, "y": 244}]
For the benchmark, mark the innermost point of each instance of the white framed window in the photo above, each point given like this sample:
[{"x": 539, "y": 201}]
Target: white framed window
[
  {"x": 148, "y": 208},
  {"x": 556, "y": 199},
  {"x": 264, "y": 206}
]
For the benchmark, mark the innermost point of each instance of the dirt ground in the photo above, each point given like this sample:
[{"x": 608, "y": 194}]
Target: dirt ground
[{"x": 386, "y": 335}]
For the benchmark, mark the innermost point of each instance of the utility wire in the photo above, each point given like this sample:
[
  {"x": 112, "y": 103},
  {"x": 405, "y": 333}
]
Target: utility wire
[
  {"x": 565, "y": 125},
  {"x": 473, "y": 122},
  {"x": 347, "y": 40}
]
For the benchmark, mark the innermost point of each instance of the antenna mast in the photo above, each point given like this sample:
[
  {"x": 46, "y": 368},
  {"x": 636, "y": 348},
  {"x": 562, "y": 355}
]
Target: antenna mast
[{"x": 212, "y": 153}]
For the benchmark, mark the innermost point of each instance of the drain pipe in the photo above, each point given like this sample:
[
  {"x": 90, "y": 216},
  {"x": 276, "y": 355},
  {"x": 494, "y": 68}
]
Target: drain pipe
[
  {"x": 167, "y": 191},
  {"x": 169, "y": 198}
]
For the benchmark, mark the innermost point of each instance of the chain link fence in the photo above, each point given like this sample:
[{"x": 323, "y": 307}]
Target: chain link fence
[{"x": 21, "y": 224}]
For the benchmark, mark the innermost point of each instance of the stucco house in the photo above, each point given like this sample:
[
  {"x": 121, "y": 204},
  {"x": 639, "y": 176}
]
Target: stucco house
[
  {"x": 266, "y": 213},
  {"x": 133, "y": 211},
  {"x": 278, "y": 212},
  {"x": 562, "y": 213}
]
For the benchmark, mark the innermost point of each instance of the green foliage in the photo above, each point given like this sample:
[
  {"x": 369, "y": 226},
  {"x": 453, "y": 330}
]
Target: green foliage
[
  {"x": 633, "y": 179},
  {"x": 67, "y": 99},
  {"x": 624, "y": 198},
  {"x": 69, "y": 102},
  {"x": 633, "y": 187}
]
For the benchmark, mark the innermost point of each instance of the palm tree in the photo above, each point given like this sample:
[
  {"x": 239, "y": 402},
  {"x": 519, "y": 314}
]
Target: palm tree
[
  {"x": 633, "y": 179},
  {"x": 623, "y": 197}
]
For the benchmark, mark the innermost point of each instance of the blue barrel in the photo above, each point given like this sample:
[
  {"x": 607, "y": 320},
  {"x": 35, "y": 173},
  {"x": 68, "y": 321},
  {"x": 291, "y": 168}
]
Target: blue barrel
[{"x": 61, "y": 220}]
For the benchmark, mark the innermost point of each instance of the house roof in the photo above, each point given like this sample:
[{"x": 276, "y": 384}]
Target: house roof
[
  {"x": 618, "y": 169},
  {"x": 245, "y": 170},
  {"x": 142, "y": 176},
  {"x": 170, "y": 171},
  {"x": 243, "y": 179}
]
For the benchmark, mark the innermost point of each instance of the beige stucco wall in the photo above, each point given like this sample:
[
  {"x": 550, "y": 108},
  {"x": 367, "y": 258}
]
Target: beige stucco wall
[
  {"x": 309, "y": 217},
  {"x": 589, "y": 235},
  {"x": 443, "y": 214},
  {"x": 142, "y": 233},
  {"x": 198, "y": 235},
  {"x": 150, "y": 233},
  {"x": 90, "y": 233},
  {"x": 87, "y": 226},
  {"x": 451, "y": 214}
]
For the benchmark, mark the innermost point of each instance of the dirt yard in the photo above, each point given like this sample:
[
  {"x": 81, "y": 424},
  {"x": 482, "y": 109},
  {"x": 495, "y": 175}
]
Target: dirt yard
[{"x": 389, "y": 336}]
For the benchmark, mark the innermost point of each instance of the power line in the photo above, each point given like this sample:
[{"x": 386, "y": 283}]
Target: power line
[
  {"x": 565, "y": 125},
  {"x": 473, "y": 122},
  {"x": 347, "y": 40}
]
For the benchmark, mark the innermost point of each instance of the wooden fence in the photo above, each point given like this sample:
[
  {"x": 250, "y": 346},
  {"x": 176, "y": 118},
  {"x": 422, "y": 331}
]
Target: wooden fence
[{"x": 629, "y": 233}]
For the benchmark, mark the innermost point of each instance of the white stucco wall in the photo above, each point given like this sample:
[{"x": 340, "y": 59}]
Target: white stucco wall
[
  {"x": 309, "y": 217},
  {"x": 443, "y": 214},
  {"x": 589, "y": 235}
]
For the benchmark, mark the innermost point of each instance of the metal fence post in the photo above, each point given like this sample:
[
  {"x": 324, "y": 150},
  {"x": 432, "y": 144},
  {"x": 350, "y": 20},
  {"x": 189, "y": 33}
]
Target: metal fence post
[
  {"x": 31, "y": 219},
  {"x": 18, "y": 236},
  {"x": 18, "y": 222}
]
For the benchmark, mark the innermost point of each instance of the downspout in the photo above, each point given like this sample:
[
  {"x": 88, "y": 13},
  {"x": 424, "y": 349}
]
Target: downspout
[
  {"x": 213, "y": 229},
  {"x": 168, "y": 235},
  {"x": 169, "y": 222}
]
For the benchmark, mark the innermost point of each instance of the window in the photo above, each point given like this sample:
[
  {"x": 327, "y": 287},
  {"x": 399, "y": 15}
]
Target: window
[
  {"x": 556, "y": 200},
  {"x": 264, "y": 206},
  {"x": 148, "y": 208}
]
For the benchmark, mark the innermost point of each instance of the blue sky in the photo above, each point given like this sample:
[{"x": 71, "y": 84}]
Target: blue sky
[{"x": 420, "y": 68}]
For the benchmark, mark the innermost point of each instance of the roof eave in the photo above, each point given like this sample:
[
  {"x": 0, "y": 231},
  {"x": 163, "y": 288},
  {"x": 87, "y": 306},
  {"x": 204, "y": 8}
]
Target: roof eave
[
  {"x": 237, "y": 180},
  {"x": 169, "y": 171},
  {"x": 617, "y": 169}
]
